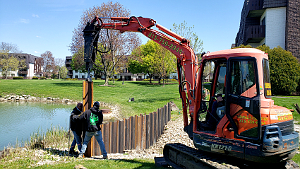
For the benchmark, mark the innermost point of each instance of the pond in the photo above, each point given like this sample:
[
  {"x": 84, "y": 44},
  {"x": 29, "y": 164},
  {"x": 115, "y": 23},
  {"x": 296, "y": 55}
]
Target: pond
[{"x": 20, "y": 120}]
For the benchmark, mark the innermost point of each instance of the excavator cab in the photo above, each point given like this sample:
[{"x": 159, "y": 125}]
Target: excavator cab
[{"x": 247, "y": 125}]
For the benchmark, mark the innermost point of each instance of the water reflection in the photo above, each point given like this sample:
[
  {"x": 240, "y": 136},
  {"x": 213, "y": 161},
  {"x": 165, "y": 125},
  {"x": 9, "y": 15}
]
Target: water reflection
[{"x": 19, "y": 120}]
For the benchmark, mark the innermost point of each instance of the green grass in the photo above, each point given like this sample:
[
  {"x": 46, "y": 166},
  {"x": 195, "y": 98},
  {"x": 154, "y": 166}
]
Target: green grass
[
  {"x": 147, "y": 97},
  {"x": 288, "y": 102}
]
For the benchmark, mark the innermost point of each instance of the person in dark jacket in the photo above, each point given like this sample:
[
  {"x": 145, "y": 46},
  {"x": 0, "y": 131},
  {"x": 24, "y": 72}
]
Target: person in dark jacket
[
  {"x": 92, "y": 119},
  {"x": 76, "y": 127}
]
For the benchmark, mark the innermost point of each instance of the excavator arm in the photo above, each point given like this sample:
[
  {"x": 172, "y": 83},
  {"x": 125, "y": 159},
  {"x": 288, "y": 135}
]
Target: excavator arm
[{"x": 179, "y": 46}]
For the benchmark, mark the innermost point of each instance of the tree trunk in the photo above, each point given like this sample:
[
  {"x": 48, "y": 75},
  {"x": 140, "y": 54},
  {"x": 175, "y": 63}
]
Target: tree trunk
[
  {"x": 106, "y": 80},
  {"x": 6, "y": 75}
]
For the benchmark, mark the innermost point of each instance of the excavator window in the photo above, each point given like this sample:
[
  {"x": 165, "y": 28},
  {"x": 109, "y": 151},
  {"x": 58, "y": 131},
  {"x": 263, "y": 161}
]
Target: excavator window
[
  {"x": 267, "y": 83},
  {"x": 242, "y": 76},
  {"x": 213, "y": 84}
]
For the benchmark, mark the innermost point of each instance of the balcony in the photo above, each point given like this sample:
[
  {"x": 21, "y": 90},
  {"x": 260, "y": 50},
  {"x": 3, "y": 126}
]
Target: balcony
[
  {"x": 255, "y": 8},
  {"x": 22, "y": 72},
  {"x": 255, "y": 34}
]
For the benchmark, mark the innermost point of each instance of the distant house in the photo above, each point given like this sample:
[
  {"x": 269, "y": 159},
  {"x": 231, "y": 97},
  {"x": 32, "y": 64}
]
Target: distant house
[
  {"x": 33, "y": 66},
  {"x": 124, "y": 75},
  {"x": 272, "y": 23}
]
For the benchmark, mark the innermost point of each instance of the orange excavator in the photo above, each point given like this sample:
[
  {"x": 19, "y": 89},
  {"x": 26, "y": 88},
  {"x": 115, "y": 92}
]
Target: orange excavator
[{"x": 226, "y": 99}]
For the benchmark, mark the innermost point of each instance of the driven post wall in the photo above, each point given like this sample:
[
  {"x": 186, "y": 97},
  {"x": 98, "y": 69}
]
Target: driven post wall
[{"x": 135, "y": 132}]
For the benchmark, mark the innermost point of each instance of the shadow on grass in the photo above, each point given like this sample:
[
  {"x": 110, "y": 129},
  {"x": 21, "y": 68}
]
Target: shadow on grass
[
  {"x": 154, "y": 100},
  {"x": 75, "y": 84},
  {"x": 143, "y": 164},
  {"x": 57, "y": 152},
  {"x": 148, "y": 84}
]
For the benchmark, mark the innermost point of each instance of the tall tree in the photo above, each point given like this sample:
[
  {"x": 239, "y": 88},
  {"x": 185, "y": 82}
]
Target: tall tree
[
  {"x": 120, "y": 44},
  {"x": 48, "y": 63},
  {"x": 187, "y": 32},
  {"x": 7, "y": 61}
]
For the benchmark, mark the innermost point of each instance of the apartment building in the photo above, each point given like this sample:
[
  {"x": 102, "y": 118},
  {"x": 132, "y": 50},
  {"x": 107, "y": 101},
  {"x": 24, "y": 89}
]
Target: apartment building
[
  {"x": 272, "y": 23},
  {"x": 33, "y": 66}
]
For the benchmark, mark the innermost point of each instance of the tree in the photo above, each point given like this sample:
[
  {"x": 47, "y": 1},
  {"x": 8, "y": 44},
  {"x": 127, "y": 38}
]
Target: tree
[
  {"x": 63, "y": 71},
  {"x": 188, "y": 33},
  {"x": 59, "y": 63},
  {"x": 153, "y": 59},
  {"x": 7, "y": 61},
  {"x": 119, "y": 44},
  {"x": 48, "y": 63}
]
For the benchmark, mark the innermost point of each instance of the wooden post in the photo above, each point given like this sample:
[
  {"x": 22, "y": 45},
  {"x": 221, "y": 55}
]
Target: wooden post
[{"x": 87, "y": 104}]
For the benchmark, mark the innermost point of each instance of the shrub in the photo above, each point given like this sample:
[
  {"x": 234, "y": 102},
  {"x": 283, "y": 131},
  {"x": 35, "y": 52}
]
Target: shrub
[
  {"x": 35, "y": 78},
  {"x": 111, "y": 79},
  {"x": 43, "y": 78},
  {"x": 18, "y": 77}
]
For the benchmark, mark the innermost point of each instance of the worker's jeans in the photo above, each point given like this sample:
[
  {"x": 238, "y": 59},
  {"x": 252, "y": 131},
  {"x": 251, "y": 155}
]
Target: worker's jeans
[
  {"x": 98, "y": 137},
  {"x": 77, "y": 139}
]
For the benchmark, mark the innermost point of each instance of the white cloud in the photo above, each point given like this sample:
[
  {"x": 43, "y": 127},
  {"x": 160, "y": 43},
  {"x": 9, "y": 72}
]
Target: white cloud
[
  {"x": 37, "y": 36},
  {"x": 36, "y": 52},
  {"x": 35, "y": 16},
  {"x": 24, "y": 21}
]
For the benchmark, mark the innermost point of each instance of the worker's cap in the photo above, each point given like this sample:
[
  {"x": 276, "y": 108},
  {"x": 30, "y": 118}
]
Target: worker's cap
[{"x": 96, "y": 105}]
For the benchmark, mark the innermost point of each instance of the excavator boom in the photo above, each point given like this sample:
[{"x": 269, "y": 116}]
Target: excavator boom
[{"x": 187, "y": 64}]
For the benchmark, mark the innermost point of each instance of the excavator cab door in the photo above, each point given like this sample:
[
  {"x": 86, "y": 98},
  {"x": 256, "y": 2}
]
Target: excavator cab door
[
  {"x": 242, "y": 98},
  {"x": 213, "y": 83}
]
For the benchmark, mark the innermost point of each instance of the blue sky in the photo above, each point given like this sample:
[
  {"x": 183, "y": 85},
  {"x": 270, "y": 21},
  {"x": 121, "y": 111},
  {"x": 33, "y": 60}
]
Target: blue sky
[{"x": 37, "y": 26}]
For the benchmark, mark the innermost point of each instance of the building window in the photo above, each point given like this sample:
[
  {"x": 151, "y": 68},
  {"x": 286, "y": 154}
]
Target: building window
[{"x": 76, "y": 76}]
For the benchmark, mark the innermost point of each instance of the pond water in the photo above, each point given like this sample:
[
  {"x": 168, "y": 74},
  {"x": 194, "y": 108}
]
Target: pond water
[{"x": 20, "y": 120}]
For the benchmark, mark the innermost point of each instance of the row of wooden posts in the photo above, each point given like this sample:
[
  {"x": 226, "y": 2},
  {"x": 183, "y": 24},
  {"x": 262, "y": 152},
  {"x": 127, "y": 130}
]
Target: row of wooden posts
[{"x": 135, "y": 132}]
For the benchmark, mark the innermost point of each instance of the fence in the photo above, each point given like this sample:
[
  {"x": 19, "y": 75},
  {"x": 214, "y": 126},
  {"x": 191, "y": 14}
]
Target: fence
[{"x": 135, "y": 132}]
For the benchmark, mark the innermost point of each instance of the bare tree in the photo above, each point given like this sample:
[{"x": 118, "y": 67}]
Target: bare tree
[
  {"x": 188, "y": 33},
  {"x": 120, "y": 44},
  {"x": 9, "y": 48},
  {"x": 48, "y": 63}
]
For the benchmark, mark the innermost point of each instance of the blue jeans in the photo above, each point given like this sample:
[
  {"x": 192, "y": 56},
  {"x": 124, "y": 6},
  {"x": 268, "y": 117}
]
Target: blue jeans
[
  {"x": 98, "y": 137},
  {"x": 77, "y": 139}
]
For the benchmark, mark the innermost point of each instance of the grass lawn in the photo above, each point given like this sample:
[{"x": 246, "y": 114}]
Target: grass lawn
[
  {"x": 288, "y": 102},
  {"x": 147, "y": 97}
]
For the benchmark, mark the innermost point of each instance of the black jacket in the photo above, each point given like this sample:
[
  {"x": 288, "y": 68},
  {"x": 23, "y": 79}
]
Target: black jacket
[
  {"x": 75, "y": 124},
  {"x": 91, "y": 119}
]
